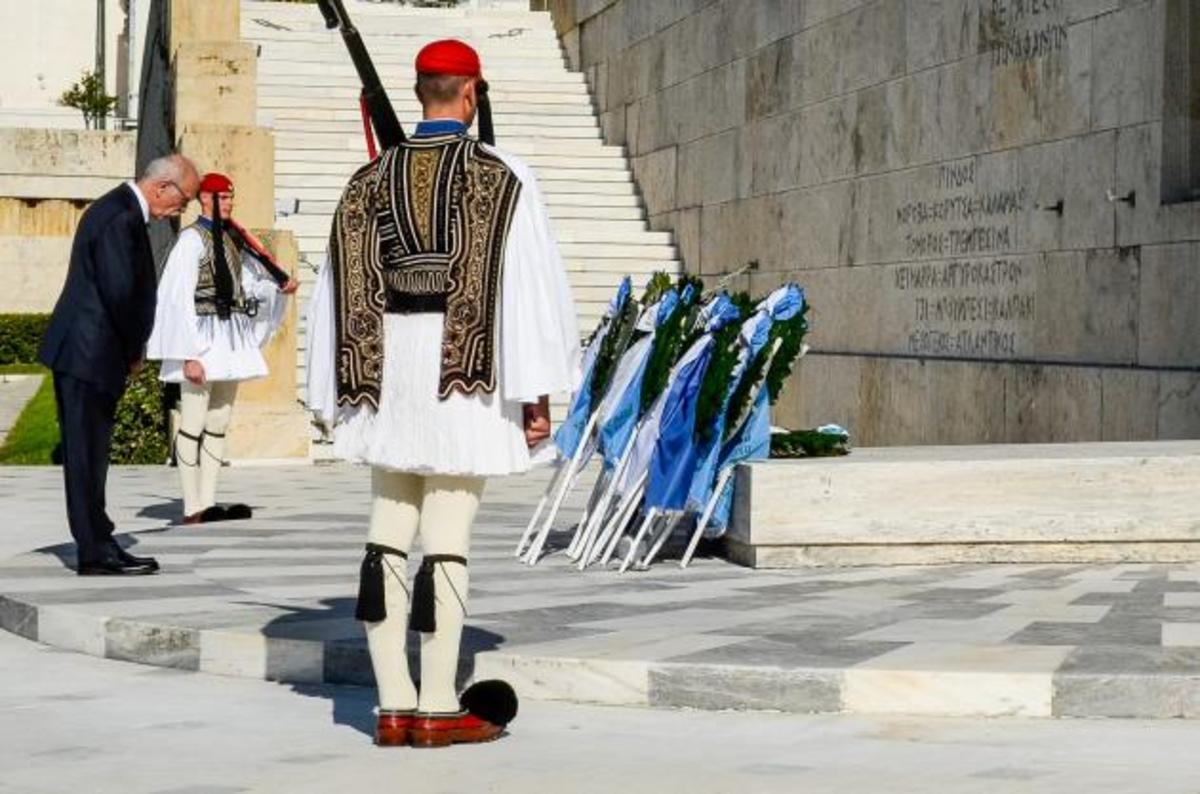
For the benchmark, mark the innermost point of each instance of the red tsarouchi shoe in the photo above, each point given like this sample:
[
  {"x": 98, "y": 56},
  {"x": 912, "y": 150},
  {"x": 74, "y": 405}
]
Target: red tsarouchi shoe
[
  {"x": 394, "y": 728},
  {"x": 443, "y": 730}
]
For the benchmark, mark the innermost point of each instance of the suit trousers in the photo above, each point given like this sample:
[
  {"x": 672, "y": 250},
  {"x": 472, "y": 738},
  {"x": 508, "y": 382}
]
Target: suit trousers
[{"x": 86, "y": 414}]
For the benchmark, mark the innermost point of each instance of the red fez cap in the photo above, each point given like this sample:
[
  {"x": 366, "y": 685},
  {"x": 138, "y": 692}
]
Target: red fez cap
[
  {"x": 216, "y": 183},
  {"x": 450, "y": 57}
]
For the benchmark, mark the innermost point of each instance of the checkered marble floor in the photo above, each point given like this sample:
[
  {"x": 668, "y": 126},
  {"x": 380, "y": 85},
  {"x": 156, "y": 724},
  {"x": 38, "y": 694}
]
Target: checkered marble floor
[{"x": 273, "y": 597}]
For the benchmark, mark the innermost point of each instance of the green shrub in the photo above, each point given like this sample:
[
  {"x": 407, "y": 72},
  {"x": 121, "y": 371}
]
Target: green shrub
[
  {"x": 20, "y": 335},
  {"x": 138, "y": 436}
]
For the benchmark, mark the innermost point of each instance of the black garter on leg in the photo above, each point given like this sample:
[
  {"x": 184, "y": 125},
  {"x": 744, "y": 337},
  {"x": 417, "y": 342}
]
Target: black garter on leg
[
  {"x": 371, "y": 607},
  {"x": 424, "y": 601}
]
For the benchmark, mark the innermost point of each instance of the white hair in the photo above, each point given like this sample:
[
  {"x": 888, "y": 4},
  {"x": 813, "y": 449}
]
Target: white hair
[{"x": 169, "y": 168}]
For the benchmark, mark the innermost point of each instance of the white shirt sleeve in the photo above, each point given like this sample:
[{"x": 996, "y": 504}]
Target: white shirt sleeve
[
  {"x": 539, "y": 333},
  {"x": 175, "y": 335},
  {"x": 319, "y": 356},
  {"x": 272, "y": 304}
]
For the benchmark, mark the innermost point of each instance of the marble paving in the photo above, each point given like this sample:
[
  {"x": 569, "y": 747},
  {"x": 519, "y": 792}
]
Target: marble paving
[{"x": 273, "y": 598}]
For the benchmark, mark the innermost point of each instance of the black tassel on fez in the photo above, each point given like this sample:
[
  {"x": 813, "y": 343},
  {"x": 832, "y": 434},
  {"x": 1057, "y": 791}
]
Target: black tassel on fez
[{"x": 424, "y": 600}]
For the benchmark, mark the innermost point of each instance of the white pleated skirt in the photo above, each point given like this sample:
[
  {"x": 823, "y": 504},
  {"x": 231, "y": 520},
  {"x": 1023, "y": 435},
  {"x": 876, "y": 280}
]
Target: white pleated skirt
[
  {"x": 478, "y": 435},
  {"x": 232, "y": 350}
]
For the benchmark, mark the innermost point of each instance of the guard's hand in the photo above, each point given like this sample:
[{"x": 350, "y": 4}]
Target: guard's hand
[
  {"x": 537, "y": 421},
  {"x": 136, "y": 367},
  {"x": 193, "y": 370},
  {"x": 291, "y": 286}
]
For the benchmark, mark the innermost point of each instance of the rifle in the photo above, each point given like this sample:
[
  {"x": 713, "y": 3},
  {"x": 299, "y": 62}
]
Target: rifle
[
  {"x": 257, "y": 251},
  {"x": 374, "y": 98}
]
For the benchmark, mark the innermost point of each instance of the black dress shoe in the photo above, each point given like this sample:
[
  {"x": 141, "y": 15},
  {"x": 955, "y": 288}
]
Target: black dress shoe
[
  {"x": 112, "y": 565},
  {"x": 131, "y": 559},
  {"x": 238, "y": 512}
]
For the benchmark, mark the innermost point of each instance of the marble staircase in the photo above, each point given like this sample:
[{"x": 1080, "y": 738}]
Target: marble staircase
[{"x": 308, "y": 89}]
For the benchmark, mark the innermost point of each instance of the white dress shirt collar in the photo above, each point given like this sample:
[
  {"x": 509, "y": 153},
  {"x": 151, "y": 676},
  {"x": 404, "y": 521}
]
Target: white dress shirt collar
[{"x": 141, "y": 200}]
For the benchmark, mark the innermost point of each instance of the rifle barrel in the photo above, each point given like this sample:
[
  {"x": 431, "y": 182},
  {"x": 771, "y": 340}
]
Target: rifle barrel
[{"x": 379, "y": 106}]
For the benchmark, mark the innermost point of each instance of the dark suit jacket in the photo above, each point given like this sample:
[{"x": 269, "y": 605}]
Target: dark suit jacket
[{"x": 106, "y": 310}]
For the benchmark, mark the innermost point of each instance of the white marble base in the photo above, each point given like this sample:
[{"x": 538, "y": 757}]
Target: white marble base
[
  {"x": 1112, "y": 502},
  {"x": 612, "y": 682}
]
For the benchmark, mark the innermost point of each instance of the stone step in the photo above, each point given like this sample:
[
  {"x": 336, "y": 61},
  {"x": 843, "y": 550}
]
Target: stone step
[
  {"x": 602, "y": 234},
  {"x": 338, "y": 97},
  {"x": 404, "y": 40},
  {"x": 514, "y": 121},
  {"x": 294, "y": 139},
  {"x": 393, "y": 51},
  {"x": 373, "y": 18},
  {"x": 351, "y": 148},
  {"x": 547, "y": 177},
  {"x": 344, "y": 72},
  {"x": 359, "y": 10},
  {"x": 347, "y": 163},
  {"x": 579, "y": 202},
  {"x": 382, "y": 34},
  {"x": 580, "y": 192},
  {"x": 347, "y": 110},
  {"x": 561, "y": 212},
  {"x": 279, "y": 86},
  {"x": 558, "y": 212}
]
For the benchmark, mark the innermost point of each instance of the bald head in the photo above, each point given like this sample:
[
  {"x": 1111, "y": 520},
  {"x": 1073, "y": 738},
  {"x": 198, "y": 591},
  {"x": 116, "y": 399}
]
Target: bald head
[{"x": 169, "y": 184}]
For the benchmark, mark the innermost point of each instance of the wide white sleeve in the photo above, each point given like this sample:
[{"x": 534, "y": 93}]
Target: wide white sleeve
[
  {"x": 319, "y": 358},
  {"x": 539, "y": 333},
  {"x": 175, "y": 335},
  {"x": 272, "y": 304}
]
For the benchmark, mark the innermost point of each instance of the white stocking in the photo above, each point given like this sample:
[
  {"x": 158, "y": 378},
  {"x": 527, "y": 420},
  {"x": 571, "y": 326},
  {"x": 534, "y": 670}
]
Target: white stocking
[
  {"x": 193, "y": 410},
  {"x": 212, "y": 448},
  {"x": 447, "y": 512},
  {"x": 395, "y": 512}
]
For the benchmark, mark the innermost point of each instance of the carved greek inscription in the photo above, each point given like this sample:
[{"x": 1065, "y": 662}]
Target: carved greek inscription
[
  {"x": 1020, "y": 31},
  {"x": 957, "y": 219},
  {"x": 974, "y": 308}
]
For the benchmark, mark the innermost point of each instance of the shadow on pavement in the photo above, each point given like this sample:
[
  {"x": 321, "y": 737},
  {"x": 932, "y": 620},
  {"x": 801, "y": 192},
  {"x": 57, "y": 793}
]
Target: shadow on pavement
[{"x": 347, "y": 678}]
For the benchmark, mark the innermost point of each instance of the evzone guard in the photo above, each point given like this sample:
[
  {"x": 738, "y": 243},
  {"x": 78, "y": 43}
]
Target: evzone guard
[
  {"x": 220, "y": 298},
  {"x": 438, "y": 328}
]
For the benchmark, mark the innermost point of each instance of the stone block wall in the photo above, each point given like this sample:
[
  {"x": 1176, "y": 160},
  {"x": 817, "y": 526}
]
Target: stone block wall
[
  {"x": 970, "y": 190},
  {"x": 47, "y": 179}
]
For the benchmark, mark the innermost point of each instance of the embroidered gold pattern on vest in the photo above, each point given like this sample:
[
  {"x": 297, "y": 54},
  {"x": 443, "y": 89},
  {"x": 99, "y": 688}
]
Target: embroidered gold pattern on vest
[
  {"x": 359, "y": 295},
  {"x": 206, "y": 287},
  {"x": 422, "y": 228}
]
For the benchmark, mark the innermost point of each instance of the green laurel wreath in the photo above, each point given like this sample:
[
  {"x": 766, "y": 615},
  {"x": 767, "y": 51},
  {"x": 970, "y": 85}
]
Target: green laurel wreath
[
  {"x": 669, "y": 342},
  {"x": 808, "y": 444},
  {"x": 790, "y": 333},
  {"x": 620, "y": 336},
  {"x": 711, "y": 397}
]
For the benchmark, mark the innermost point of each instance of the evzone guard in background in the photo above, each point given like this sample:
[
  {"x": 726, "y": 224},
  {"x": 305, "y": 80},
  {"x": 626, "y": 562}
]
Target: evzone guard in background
[
  {"x": 220, "y": 298},
  {"x": 438, "y": 328}
]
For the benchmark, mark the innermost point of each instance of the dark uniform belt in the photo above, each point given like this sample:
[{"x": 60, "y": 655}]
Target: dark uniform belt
[{"x": 409, "y": 303}]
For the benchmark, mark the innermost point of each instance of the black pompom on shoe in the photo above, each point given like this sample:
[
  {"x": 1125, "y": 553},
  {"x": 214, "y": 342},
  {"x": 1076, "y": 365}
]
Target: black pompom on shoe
[
  {"x": 210, "y": 514},
  {"x": 238, "y": 512},
  {"x": 493, "y": 701}
]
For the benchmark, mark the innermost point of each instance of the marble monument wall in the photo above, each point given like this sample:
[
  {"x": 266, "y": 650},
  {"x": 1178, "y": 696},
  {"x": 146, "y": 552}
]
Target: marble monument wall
[{"x": 989, "y": 201}]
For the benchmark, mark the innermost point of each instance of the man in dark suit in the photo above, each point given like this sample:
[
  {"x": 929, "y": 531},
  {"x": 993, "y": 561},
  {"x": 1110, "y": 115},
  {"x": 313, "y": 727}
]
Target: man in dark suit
[{"x": 96, "y": 339}]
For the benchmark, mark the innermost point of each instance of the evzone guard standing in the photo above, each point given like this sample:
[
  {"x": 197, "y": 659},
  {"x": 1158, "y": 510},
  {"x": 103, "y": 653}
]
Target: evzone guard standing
[
  {"x": 220, "y": 299},
  {"x": 438, "y": 328}
]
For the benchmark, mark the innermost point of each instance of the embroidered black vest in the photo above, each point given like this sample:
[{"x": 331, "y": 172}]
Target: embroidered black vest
[
  {"x": 422, "y": 228},
  {"x": 206, "y": 287}
]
